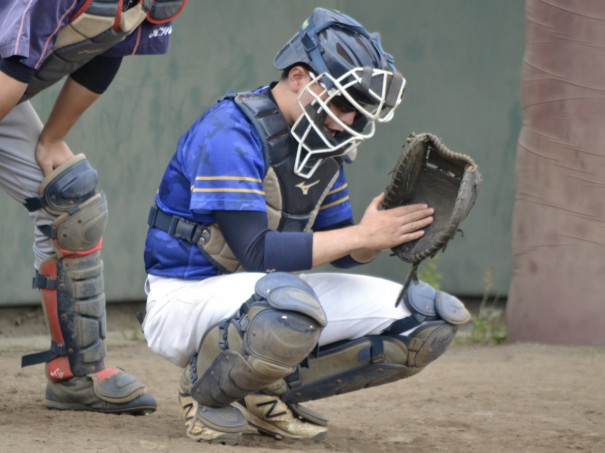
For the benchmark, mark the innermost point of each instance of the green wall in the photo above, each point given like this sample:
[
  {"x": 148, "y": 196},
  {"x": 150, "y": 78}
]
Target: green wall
[{"x": 462, "y": 61}]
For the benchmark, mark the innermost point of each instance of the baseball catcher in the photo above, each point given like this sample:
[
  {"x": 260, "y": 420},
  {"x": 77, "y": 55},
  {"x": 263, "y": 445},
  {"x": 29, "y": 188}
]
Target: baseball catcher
[
  {"x": 255, "y": 195},
  {"x": 428, "y": 172}
]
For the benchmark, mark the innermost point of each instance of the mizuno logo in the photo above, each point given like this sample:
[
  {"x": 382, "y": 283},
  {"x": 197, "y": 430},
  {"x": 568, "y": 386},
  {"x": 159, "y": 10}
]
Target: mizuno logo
[
  {"x": 272, "y": 405},
  {"x": 305, "y": 187}
]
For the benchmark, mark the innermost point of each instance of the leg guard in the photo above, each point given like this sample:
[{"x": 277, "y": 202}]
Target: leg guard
[
  {"x": 277, "y": 328},
  {"x": 367, "y": 362},
  {"x": 71, "y": 281},
  {"x": 72, "y": 291},
  {"x": 379, "y": 359}
]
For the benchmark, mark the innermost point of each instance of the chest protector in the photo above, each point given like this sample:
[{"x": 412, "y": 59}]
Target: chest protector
[
  {"x": 292, "y": 201},
  {"x": 95, "y": 28}
]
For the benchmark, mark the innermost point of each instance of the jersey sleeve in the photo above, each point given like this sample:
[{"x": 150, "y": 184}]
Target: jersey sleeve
[
  {"x": 336, "y": 207},
  {"x": 225, "y": 163},
  {"x": 28, "y": 29}
]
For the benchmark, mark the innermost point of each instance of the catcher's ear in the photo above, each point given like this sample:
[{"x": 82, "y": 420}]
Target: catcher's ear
[{"x": 298, "y": 78}]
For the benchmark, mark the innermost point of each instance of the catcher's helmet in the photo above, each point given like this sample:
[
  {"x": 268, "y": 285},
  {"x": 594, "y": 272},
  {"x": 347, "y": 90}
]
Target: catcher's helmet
[{"x": 354, "y": 72}]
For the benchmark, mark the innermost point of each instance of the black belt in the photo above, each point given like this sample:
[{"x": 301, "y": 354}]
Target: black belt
[{"x": 176, "y": 226}]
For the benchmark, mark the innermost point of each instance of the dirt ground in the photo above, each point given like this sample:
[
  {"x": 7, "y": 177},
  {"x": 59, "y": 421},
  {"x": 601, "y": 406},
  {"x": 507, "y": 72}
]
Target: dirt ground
[{"x": 507, "y": 398}]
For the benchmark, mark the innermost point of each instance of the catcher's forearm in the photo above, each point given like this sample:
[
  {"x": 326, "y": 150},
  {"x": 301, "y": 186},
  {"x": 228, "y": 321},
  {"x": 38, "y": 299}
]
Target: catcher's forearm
[
  {"x": 331, "y": 245},
  {"x": 365, "y": 255}
]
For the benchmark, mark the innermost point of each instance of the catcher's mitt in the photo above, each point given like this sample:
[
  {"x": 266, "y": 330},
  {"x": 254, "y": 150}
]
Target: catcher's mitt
[{"x": 428, "y": 172}]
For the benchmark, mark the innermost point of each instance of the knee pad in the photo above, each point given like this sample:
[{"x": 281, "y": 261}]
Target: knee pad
[
  {"x": 425, "y": 303},
  {"x": 277, "y": 329},
  {"x": 367, "y": 362},
  {"x": 71, "y": 281},
  {"x": 70, "y": 193},
  {"x": 424, "y": 300}
]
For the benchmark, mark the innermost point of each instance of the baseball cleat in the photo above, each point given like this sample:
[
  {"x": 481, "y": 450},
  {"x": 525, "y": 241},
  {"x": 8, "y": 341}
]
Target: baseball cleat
[
  {"x": 222, "y": 425},
  {"x": 271, "y": 416},
  {"x": 109, "y": 390}
]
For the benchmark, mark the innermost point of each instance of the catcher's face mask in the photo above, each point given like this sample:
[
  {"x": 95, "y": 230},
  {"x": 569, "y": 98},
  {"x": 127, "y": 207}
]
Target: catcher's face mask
[{"x": 372, "y": 93}]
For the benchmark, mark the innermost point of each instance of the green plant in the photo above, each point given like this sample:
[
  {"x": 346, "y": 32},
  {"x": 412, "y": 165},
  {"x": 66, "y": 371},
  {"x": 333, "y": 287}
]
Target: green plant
[
  {"x": 135, "y": 334},
  {"x": 430, "y": 274},
  {"x": 489, "y": 325}
]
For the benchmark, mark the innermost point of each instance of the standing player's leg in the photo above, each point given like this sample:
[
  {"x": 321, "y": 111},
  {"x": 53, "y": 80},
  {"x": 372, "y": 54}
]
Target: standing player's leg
[{"x": 70, "y": 215}]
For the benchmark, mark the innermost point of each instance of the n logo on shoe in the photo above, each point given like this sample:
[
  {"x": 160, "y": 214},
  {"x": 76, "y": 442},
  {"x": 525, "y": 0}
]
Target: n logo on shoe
[
  {"x": 272, "y": 405},
  {"x": 188, "y": 406}
]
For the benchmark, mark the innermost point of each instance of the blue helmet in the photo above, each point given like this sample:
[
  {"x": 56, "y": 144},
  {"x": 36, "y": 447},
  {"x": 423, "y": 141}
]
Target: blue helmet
[
  {"x": 350, "y": 65},
  {"x": 332, "y": 42}
]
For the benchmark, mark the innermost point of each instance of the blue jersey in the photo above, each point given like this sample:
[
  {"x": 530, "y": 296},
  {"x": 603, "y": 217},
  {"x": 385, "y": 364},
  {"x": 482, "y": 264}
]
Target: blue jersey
[{"x": 219, "y": 165}]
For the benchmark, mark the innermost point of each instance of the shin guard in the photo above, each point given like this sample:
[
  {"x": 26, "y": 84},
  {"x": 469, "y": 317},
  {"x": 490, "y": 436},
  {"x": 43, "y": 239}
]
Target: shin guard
[
  {"x": 366, "y": 362},
  {"x": 71, "y": 281},
  {"x": 401, "y": 351}
]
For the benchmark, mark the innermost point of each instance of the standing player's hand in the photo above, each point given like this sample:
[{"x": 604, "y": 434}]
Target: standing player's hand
[{"x": 51, "y": 154}]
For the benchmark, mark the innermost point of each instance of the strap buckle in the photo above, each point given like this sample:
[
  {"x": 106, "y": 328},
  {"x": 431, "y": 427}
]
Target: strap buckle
[{"x": 175, "y": 226}]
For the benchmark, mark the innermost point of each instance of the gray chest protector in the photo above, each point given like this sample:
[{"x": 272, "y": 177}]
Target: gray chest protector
[
  {"x": 95, "y": 28},
  {"x": 292, "y": 201}
]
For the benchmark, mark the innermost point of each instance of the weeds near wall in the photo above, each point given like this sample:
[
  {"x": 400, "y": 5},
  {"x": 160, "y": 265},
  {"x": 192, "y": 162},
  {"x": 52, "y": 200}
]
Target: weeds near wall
[
  {"x": 430, "y": 274},
  {"x": 489, "y": 324}
]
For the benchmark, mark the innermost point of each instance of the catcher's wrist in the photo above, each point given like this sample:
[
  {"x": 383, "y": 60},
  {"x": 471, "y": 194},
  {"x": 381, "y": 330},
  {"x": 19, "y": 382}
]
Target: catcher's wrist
[{"x": 365, "y": 257}]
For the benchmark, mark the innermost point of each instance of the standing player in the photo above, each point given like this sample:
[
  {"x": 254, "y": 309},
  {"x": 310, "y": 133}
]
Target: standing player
[
  {"x": 40, "y": 43},
  {"x": 257, "y": 185}
]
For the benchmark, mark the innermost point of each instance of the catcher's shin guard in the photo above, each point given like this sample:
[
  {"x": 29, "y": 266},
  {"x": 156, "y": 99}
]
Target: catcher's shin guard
[
  {"x": 367, "y": 362},
  {"x": 276, "y": 329},
  {"x": 71, "y": 281},
  {"x": 379, "y": 359}
]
